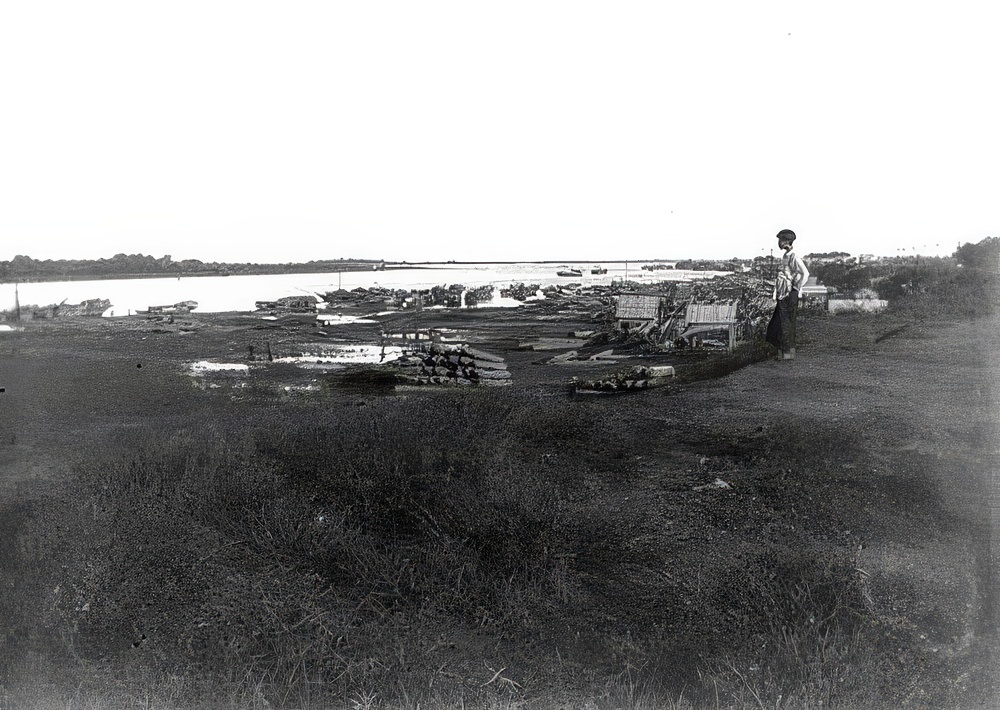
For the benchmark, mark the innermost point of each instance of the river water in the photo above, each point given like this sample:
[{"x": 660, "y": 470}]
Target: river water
[{"x": 239, "y": 293}]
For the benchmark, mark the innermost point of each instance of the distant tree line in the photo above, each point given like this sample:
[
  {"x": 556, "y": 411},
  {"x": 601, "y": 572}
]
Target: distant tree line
[
  {"x": 734, "y": 264},
  {"x": 24, "y": 268},
  {"x": 827, "y": 255},
  {"x": 966, "y": 284}
]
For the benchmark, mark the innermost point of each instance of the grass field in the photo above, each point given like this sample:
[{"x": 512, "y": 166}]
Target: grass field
[{"x": 806, "y": 534}]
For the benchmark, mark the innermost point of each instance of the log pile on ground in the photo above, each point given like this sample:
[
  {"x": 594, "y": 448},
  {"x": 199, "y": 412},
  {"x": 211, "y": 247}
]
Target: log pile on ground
[
  {"x": 289, "y": 304},
  {"x": 632, "y": 379},
  {"x": 90, "y": 307},
  {"x": 451, "y": 365},
  {"x": 360, "y": 295},
  {"x": 170, "y": 309}
]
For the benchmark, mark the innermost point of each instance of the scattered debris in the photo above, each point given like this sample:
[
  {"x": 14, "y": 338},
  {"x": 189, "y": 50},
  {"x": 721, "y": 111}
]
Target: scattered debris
[
  {"x": 173, "y": 309},
  {"x": 301, "y": 389},
  {"x": 717, "y": 483},
  {"x": 203, "y": 366},
  {"x": 573, "y": 356},
  {"x": 91, "y": 307},
  {"x": 640, "y": 377},
  {"x": 326, "y": 319},
  {"x": 289, "y": 304},
  {"x": 548, "y": 344},
  {"x": 520, "y": 292},
  {"x": 437, "y": 335}
]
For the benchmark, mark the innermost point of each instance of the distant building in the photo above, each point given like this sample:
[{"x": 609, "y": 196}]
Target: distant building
[{"x": 815, "y": 292}]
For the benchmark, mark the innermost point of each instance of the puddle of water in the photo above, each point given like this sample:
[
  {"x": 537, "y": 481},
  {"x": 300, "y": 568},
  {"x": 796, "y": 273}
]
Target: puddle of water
[
  {"x": 409, "y": 336},
  {"x": 203, "y": 366},
  {"x": 337, "y": 319},
  {"x": 445, "y": 335},
  {"x": 357, "y": 354},
  {"x": 502, "y": 302},
  {"x": 321, "y": 366},
  {"x": 301, "y": 388}
]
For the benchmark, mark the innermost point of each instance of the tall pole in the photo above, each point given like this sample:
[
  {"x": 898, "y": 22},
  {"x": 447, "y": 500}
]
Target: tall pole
[{"x": 17, "y": 305}]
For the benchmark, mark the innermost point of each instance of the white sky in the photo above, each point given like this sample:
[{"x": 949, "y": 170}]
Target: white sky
[{"x": 421, "y": 130}]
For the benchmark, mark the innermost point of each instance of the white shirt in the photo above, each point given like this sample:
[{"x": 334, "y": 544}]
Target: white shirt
[{"x": 792, "y": 275}]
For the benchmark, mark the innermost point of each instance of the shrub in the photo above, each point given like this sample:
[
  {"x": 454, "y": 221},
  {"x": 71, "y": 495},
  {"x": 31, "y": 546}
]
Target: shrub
[
  {"x": 274, "y": 554},
  {"x": 810, "y": 648},
  {"x": 722, "y": 364}
]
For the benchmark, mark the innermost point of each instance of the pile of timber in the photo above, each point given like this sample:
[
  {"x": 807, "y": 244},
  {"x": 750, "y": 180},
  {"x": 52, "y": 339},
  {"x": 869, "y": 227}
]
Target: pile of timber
[
  {"x": 90, "y": 307},
  {"x": 442, "y": 364},
  {"x": 172, "y": 309},
  {"x": 632, "y": 379},
  {"x": 287, "y": 304}
]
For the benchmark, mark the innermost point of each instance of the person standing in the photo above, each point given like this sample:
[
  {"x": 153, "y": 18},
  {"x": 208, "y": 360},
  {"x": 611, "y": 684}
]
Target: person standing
[{"x": 791, "y": 277}]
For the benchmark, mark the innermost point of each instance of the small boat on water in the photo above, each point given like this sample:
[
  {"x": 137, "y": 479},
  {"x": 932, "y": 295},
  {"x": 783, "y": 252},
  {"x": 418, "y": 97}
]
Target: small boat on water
[
  {"x": 568, "y": 272},
  {"x": 598, "y": 270}
]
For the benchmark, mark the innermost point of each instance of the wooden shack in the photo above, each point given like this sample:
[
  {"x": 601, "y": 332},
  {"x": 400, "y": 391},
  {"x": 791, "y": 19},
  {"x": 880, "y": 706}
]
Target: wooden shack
[
  {"x": 637, "y": 311},
  {"x": 703, "y": 318}
]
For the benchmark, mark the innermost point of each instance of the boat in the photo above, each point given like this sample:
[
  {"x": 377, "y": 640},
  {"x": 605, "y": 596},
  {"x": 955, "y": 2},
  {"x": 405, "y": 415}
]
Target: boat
[
  {"x": 598, "y": 270},
  {"x": 568, "y": 272}
]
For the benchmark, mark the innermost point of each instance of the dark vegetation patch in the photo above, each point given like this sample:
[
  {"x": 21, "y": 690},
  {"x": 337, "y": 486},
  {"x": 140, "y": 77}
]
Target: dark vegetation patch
[
  {"x": 718, "y": 365},
  {"x": 892, "y": 332},
  {"x": 281, "y": 557}
]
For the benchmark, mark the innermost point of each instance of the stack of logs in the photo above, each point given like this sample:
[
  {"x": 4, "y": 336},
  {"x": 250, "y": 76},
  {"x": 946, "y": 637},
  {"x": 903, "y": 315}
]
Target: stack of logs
[
  {"x": 91, "y": 307},
  {"x": 632, "y": 379},
  {"x": 297, "y": 304},
  {"x": 452, "y": 365}
]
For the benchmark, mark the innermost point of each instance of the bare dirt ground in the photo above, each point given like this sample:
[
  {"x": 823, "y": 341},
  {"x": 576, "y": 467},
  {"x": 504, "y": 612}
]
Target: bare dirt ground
[{"x": 903, "y": 416}]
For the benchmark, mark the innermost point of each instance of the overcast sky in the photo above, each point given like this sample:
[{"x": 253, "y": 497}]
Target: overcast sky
[{"x": 267, "y": 131}]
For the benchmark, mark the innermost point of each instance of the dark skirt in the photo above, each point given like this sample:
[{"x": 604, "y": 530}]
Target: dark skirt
[{"x": 781, "y": 329}]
